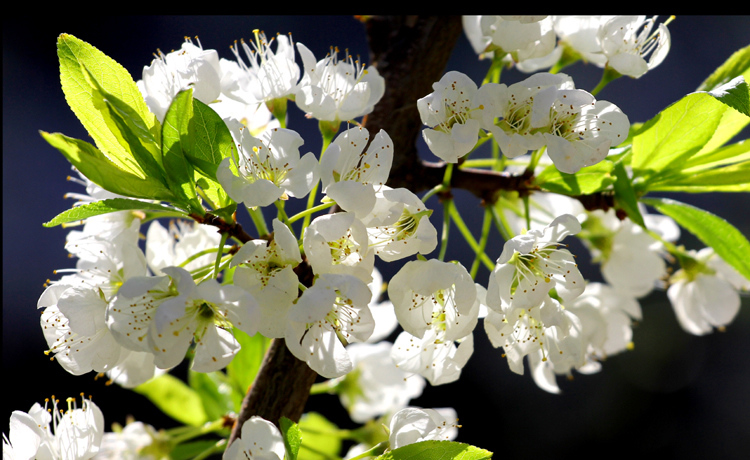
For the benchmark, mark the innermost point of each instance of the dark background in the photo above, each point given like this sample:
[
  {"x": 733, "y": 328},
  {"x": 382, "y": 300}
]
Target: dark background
[{"x": 674, "y": 395}]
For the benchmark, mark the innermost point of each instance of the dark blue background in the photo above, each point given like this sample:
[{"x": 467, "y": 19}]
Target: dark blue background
[{"x": 675, "y": 395}]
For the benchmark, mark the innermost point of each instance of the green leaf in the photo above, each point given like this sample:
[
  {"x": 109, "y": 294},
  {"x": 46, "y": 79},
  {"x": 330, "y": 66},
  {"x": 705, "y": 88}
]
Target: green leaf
[
  {"x": 735, "y": 94},
  {"x": 314, "y": 428},
  {"x": 97, "y": 208},
  {"x": 175, "y": 140},
  {"x": 432, "y": 450},
  {"x": 210, "y": 138},
  {"x": 131, "y": 131},
  {"x": 175, "y": 399},
  {"x": 189, "y": 450},
  {"x": 292, "y": 437},
  {"x": 214, "y": 392},
  {"x": 76, "y": 55},
  {"x": 100, "y": 170},
  {"x": 625, "y": 197},
  {"x": 728, "y": 242},
  {"x": 733, "y": 178},
  {"x": 737, "y": 64},
  {"x": 675, "y": 134},
  {"x": 588, "y": 180},
  {"x": 733, "y": 153},
  {"x": 246, "y": 363}
]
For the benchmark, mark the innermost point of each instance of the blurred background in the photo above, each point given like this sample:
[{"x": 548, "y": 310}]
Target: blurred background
[{"x": 674, "y": 395}]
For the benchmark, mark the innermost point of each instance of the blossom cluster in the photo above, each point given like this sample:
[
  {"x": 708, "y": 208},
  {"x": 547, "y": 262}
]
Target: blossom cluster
[{"x": 144, "y": 296}]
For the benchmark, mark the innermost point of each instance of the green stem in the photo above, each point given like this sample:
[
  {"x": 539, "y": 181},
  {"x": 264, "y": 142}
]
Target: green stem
[
  {"x": 447, "y": 205},
  {"x": 374, "y": 451},
  {"x": 526, "y": 211},
  {"x": 219, "y": 254},
  {"x": 220, "y": 446},
  {"x": 608, "y": 76},
  {"x": 327, "y": 387},
  {"x": 256, "y": 214},
  {"x": 310, "y": 211},
  {"x": 328, "y": 135},
  {"x": 432, "y": 191},
  {"x": 195, "y": 432},
  {"x": 477, "y": 247},
  {"x": 501, "y": 223},
  {"x": 486, "y": 225}
]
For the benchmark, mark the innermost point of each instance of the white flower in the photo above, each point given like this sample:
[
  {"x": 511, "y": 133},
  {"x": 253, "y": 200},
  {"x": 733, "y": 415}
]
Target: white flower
[
  {"x": 333, "y": 310},
  {"x": 522, "y": 111},
  {"x": 544, "y": 332},
  {"x": 164, "y": 315},
  {"x": 376, "y": 386},
  {"x": 438, "y": 360},
  {"x": 435, "y": 295},
  {"x": 532, "y": 264},
  {"x": 606, "y": 318},
  {"x": 399, "y": 225},
  {"x": 54, "y": 434},
  {"x": 135, "y": 441},
  {"x": 259, "y": 439},
  {"x": 333, "y": 90},
  {"x": 704, "y": 293},
  {"x": 338, "y": 243},
  {"x": 266, "y": 270},
  {"x": 411, "y": 424},
  {"x": 452, "y": 112},
  {"x": 350, "y": 175},
  {"x": 382, "y": 311},
  {"x": 580, "y": 34},
  {"x": 173, "y": 247},
  {"x": 581, "y": 130},
  {"x": 189, "y": 67},
  {"x": 631, "y": 259},
  {"x": 269, "y": 168},
  {"x": 630, "y": 46},
  {"x": 523, "y": 37},
  {"x": 269, "y": 76}
]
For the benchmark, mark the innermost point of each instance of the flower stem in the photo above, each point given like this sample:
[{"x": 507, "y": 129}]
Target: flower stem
[
  {"x": 486, "y": 224},
  {"x": 477, "y": 247}
]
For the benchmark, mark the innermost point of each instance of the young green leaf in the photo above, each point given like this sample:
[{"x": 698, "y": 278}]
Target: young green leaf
[
  {"x": 97, "y": 208},
  {"x": 292, "y": 437},
  {"x": 93, "y": 164},
  {"x": 443, "y": 450},
  {"x": 211, "y": 140},
  {"x": 76, "y": 55},
  {"x": 625, "y": 197},
  {"x": 322, "y": 446},
  {"x": 666, "y": 141},
  {"x": 175, "y": 142},
  {"x": 732, "y": 178},
  {"x": 588, "y": 180},
  {"x": 246, "y": 363},
  {"x": 175, "y": 399},
  {"x": 728, "y": 242},
  {"x": 216, "y": 402}
]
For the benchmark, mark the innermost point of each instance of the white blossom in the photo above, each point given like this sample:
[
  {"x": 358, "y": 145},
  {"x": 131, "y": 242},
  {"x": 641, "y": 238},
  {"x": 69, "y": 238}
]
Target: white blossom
[
  {"x": 532, "y": 264},
  {"x": 189, "y": 67},
  {"x": 351, "y": 175},
  {"x": 266, "y": 270},
  {"x": 376, "y": 386},
  {"x": 270, "y": 75},
  {"x": 704, "y": 293},
  {"x": 631, "y": 47},
  {"x": 333, "y": 90},
  {"x": 55, "y": 434},
  {"x": 325, "y": 317},
  {"x": 412, "y": 424},
  {"x": 338, "y": 243},
  {"x": 268, "y": 168},
  {"x": 259, "y": 439},
  {"x": 399, "y": 225}
]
